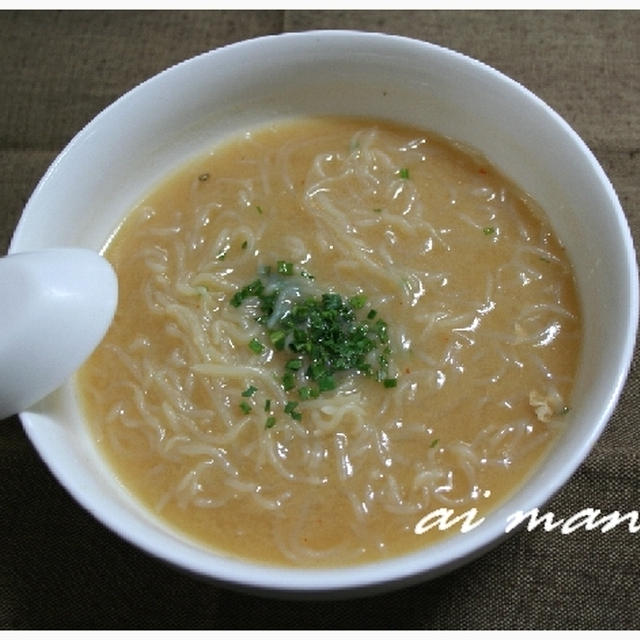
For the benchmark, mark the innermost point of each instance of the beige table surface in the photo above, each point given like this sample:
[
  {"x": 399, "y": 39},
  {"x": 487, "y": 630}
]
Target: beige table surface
[{"x": 61, "y": 569}]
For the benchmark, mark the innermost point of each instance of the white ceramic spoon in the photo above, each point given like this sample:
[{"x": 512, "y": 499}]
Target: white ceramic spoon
[{"x": 57, "y": 304}]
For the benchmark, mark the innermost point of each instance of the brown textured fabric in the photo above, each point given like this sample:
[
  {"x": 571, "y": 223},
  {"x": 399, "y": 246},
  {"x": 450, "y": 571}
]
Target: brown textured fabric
[{"x": 60, "y": 569}]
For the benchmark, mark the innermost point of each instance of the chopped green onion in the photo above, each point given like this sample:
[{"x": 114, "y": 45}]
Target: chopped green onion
[
  {"x": 267, "y": 405},
  {"x": 246, "y": 408},
  {"x": 323, "y": 333},
  {"x": 269, "y": 422},
  {"x": 256, "y": 346},
  {"x": 326, "y": 383},
  {"x": 290, "y": 406},
  {"x": 316, "y": 370},
  {"x": 381, "y": 330},
  {"x": 288, "y": 381},
  {"x": 277, "y": 339},
  {"x": 488, "y": 230},
  {"x": 434, "y": 443},
  {"x": 404, "y": 173},
  {"x": 290, "y": 409},
  {"x": 259, "y": 208},
  {"x": 331, "y": 301},
  {"x": 244, "y": 244},
  {"x": 294, "y": 365},
  {"x": 284, "y": 268},
  {"x": 305, "y": 393},
  {"x": 249, "y": 391},
  {"x": 253, "y": 289}
]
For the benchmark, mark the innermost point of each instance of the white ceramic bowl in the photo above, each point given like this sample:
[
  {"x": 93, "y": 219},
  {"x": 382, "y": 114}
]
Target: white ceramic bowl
[{"x": 180, "y": 112}]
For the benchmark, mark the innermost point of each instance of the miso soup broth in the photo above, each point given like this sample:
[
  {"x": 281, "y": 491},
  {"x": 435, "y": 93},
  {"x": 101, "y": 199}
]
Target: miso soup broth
[{"x": 327, "y": 329}]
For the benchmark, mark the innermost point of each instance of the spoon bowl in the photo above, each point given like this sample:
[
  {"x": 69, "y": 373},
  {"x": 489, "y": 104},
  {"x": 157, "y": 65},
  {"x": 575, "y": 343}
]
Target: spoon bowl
[{"x": 62, "y": 301}]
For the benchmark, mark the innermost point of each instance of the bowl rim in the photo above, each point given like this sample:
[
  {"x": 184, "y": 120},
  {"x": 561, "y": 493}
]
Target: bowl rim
[{"x": 415, "y": 566}]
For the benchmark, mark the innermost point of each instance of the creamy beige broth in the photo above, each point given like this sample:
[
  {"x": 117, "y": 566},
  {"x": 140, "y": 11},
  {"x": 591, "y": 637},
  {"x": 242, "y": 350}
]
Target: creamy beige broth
[{"x": 483, "y": 322}]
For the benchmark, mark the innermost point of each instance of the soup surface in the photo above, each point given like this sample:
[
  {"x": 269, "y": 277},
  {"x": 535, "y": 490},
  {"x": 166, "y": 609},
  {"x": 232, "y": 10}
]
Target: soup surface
[{"x": 410, "y": 249}]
